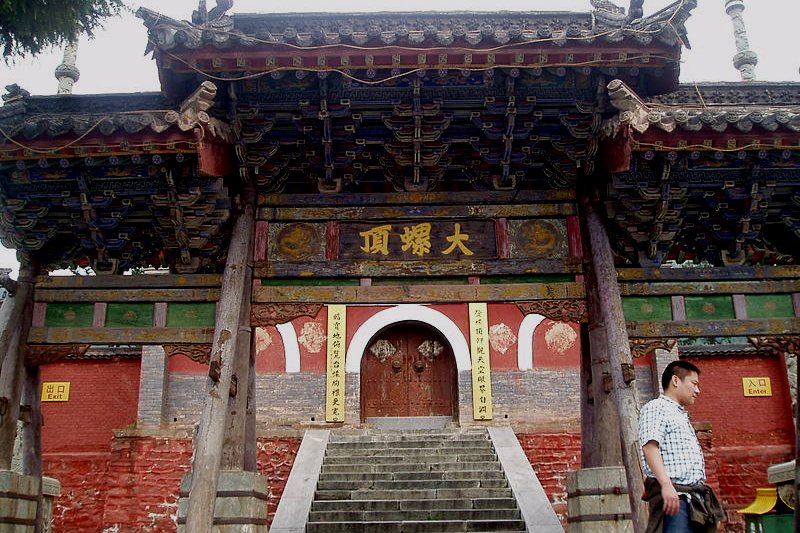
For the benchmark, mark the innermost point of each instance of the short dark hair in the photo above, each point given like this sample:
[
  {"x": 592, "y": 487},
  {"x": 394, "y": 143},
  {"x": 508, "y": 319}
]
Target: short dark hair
[{"x": 677, "y": 368}]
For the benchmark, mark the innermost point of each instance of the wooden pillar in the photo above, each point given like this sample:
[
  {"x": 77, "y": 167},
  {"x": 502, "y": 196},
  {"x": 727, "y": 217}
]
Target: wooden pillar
[
  {"x": 13, "y": 308},
  {"x": 32, "y": 433},
  {"x": 235, "y": 445},
  {"x": 10, "y": 392},
  {"x": 12, "y": 372},
  {"x": 587, "y": 401},
  {"x": 605, "y": 449},
  {"x": 209, "y": 437},
  {"x": 619, "y": 355}
]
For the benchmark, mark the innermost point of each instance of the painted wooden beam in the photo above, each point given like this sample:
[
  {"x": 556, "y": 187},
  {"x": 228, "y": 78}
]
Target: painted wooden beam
[
  {"x": 377, "y": 269},
  {"x": 395, "y": 294},
  {"x": 127, "y": 295},
  {"x": 714, "y": 328},
  {"x": 411, "y": 198},
  {"x": 61, "y": 335},
  {"x": 154, "y": 281},
  {"x": 744, "y": 273},
  {"x": 362, "y": 213},
  {"x": 761, "y": 286}
]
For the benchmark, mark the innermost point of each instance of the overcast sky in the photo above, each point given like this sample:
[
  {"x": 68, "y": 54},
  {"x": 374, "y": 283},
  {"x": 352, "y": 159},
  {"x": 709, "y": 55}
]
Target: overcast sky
[{"x": 114, "y": 60}]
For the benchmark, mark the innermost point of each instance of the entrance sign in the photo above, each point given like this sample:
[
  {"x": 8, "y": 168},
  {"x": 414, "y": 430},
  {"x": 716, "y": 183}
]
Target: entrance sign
[
  {"x": 757, "y": 386},
  {"x": 481, "y": 372},
  {"x": 55, "y": 391},
  {"x": 334, "y": 390}
]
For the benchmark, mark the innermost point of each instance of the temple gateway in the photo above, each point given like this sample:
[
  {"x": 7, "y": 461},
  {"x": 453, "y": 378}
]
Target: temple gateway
[{"x": 394, "y": 272}]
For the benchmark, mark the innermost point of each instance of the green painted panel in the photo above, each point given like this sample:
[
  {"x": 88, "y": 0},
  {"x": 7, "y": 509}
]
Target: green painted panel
[
  {"x": 647, "y": 308},
  {"x": 130, "y": 315},
  {"x": 191, "y": 314},
  {"x": 709, "y": 307},
  {"x": 65, "y": 315},
  {"x": 769, "y": 306}
]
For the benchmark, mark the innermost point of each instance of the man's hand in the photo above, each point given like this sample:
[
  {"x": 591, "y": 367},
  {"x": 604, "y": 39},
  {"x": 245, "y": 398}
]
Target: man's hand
[
  {"x": 652, "y": 455},
  {"x": 672, "y": 503}
]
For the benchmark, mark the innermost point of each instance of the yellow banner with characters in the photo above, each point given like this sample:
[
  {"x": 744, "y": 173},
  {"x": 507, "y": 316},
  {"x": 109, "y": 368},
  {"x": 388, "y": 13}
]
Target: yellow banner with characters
[
  {"x": 335, "y": 389},
  {"x": 481, "y": 370}
]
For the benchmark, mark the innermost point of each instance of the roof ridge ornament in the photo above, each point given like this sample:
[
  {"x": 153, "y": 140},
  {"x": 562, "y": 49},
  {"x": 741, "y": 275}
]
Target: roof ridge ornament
[
  {"x": 745, "y": 59},
  {"x": 203, "y": 17}
]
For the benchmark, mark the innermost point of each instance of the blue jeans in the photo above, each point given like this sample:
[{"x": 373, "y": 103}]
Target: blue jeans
[{"x": 678, "y": 523}]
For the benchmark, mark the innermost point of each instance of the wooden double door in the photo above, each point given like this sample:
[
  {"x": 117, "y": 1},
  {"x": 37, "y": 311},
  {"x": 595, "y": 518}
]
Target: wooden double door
[{"x": 408, "y": 370}]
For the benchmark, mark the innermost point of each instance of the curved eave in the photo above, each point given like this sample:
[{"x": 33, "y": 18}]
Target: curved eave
[
  {"x": 425, "y": 29},
  {"x": 727, "y": 112}
]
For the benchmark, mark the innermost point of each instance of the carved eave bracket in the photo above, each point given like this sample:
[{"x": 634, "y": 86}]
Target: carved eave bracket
[
  {"x": 199, "y": 353},
  {"x": 779, "y": 344},
  {"x": 41, "y": 354},
  {"x": 273, "y": 314},
  {"x": 633, "y": 112},
  {"x": 557, "y": 310},
  {"x": 193, "y": 113},
  {"x": 642, "y": 347}
]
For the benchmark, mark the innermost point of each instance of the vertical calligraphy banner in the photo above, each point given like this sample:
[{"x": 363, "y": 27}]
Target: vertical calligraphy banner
[
  {"x": 334, "y": 390},
  {"x": 481, "y": 372}
]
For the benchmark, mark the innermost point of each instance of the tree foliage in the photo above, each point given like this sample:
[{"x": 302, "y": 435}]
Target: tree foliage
[{"x": 31, "y": 26}]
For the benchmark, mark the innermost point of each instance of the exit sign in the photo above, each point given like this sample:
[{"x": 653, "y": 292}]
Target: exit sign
[
  {"x": 757, "y": 386},
  {"x": 55, "y": 391}
]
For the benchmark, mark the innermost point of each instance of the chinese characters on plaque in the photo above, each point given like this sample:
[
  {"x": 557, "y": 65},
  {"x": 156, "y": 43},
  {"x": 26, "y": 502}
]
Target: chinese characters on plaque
[
  {"x": 757, "y": 386},
  {"x": 418, "y": 240},
  {"x": 55, "y": 391},
  {"x": 481, "y": 372},
  {"x": 334, "y": 390}
]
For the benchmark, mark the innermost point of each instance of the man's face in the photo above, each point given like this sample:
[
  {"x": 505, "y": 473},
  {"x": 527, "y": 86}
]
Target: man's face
[{"x": 686, "y": 389}]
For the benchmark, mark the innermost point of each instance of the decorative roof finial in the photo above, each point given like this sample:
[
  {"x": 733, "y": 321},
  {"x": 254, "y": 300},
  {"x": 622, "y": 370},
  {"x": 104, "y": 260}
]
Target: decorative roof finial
[
  {"x": 202, "y": 16},
  {"x": 745, "y": 59},
  {"x": 636, "y": 9},
  {"x": 67, "y": 72}
]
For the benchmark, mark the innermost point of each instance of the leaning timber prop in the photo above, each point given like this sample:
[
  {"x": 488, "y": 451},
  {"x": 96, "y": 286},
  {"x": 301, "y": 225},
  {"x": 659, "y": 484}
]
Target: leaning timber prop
[{"x": 208, "y": 440}]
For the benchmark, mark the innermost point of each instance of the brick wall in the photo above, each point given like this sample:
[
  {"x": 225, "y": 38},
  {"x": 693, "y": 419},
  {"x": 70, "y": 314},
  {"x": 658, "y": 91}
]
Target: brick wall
[
  {"x": 552, "y": 455},
  {"x": 79, "y": 425},
  {"x": 134, "y": 486}
]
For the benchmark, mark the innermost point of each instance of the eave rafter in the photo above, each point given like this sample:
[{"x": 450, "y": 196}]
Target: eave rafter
[
  {"x": 86, "y": 187},
  {"x": 728, "y": 195}
]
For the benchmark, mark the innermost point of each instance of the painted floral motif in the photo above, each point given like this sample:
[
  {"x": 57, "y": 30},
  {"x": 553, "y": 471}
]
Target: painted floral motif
[
  {"x": 312, "y": 337},
  {"x": 560, "y": 337},
  {"x": 501, "y": 337},
  {"x": 263, "y": 340}
]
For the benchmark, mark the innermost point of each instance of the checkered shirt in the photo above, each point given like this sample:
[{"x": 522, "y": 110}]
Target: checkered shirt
[{"x": 664, "y": 421}]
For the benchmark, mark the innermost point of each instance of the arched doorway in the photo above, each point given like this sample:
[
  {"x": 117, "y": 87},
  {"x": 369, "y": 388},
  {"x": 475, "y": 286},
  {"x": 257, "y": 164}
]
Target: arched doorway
[{"x": 408, "y": 369}]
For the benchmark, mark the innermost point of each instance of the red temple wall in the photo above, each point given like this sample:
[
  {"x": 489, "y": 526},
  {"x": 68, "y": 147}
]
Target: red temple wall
[
  {"x": 103, "y": 396},
  {"x": 134, "y": 487}
]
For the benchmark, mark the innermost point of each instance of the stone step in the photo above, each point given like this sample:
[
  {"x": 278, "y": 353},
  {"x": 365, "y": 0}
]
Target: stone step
[
  {"x": 395, "y": 484},
  {"x": 427, "y": 526},
  {"x": 413, "y": 505},
  {"x": 414, "y": 515},
  {"x": 413, "y": 494},
  {"x": 419, "y": 475},
  {"x": 395, "y": 436},
  {"x": 411, "y": 443},
  {"x": 361, "y": 467},
  {"x": 408, "y": 452},
  {"x": 423, "y": 457}
]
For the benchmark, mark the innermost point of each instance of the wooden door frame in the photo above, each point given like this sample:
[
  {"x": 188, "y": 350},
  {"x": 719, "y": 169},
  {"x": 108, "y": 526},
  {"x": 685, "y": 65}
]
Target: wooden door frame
[{"x": 454, "y": 386}]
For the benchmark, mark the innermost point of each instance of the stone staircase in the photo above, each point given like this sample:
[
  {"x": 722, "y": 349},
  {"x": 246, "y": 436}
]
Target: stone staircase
[{"x": 412, "y": 481}]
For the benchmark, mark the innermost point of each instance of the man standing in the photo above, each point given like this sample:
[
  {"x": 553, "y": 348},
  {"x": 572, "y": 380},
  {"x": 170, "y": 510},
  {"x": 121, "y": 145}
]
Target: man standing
[{"x": 672, "y": 459}]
